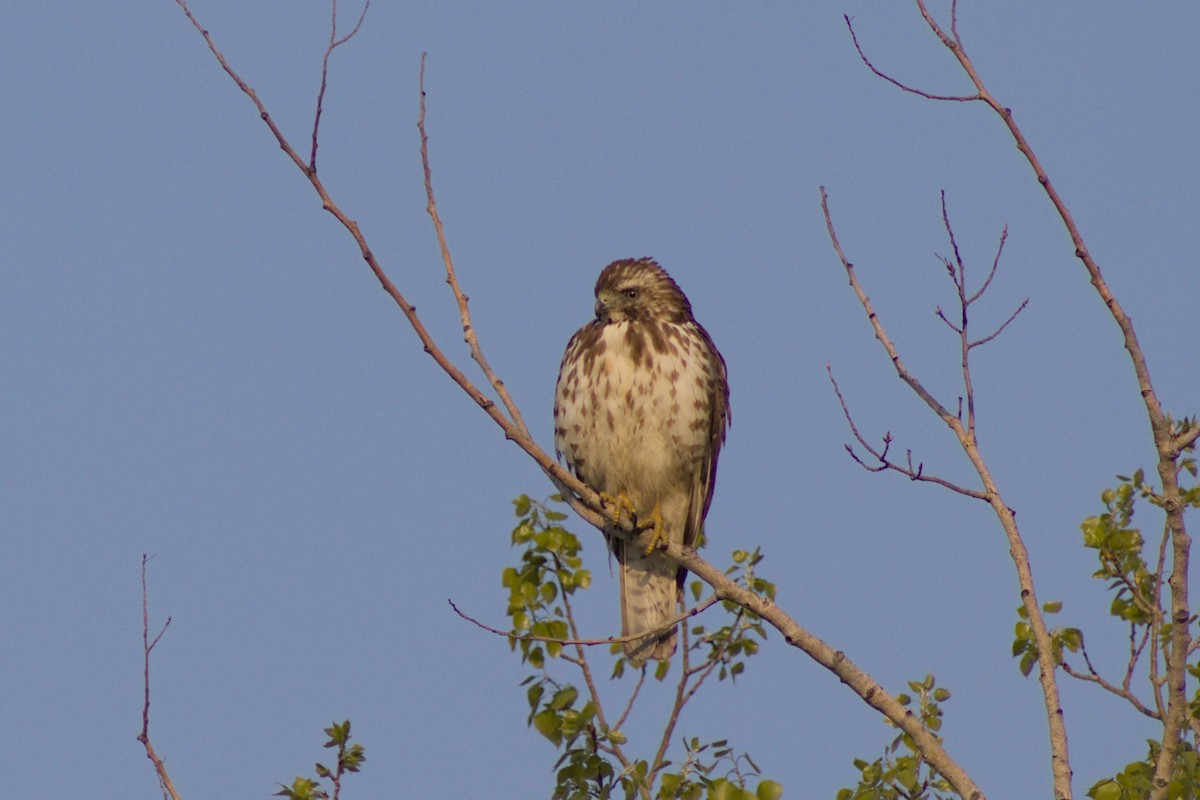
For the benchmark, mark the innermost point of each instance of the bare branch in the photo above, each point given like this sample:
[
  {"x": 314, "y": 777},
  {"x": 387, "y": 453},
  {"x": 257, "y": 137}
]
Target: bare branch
[
  {"x": 529, "y": 637},
  {"x": 1094, "y": 677},
  {"x": 916, "y": 474},
  {"x": 880, "y": 333},
  {"x": 1168, "y": 453},
  {"x": 992, "y": 271},
  {"x": 452, "y": 278},
  {"x": 334, "y": 43},
  {"x": 1006, "y": 516},
  {"x": 160, "y": 769},
  {"x": 1003, "y": 325},
  {"x": 898, "y": 84}
]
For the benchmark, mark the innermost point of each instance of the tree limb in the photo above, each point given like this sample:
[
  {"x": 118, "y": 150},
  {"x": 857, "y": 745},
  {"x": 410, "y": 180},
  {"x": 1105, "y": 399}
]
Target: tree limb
[
  {"x": 1164, "y": 439},
  {"x": 587, "y": 503},
  {"x": 1006, "y": 516}
]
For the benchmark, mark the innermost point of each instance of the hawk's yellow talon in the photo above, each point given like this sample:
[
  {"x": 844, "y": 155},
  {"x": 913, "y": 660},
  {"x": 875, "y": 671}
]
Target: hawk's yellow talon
[
  {"x": 620, "y": 502},
  {"x": 659, "y": 537}
]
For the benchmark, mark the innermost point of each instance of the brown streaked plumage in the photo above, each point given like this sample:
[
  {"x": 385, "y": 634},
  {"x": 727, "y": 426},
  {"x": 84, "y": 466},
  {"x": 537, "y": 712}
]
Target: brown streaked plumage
[{"x": 640, "y": 411}]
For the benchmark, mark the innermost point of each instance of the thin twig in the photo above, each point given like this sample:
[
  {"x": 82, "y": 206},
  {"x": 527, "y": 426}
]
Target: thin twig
[
  {"x": 160, "y": 768},
  {"x": 334, "y": 43},
  {"x": 999, "y": 330},
  {"x": 452, "y": 277},
  {"x": 958, "y": 274},
  {"x": 1092, "y": 676},
  {"x": 885, "y": 463},
  {"x": 529, "y": 637},
  {"x": 898, "y": 84},
  {"x": 995, "y": 265}
]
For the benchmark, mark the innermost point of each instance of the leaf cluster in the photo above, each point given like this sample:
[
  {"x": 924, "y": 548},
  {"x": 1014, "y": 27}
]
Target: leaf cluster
[
  {"x": 593, "y": 762},
  {"x": 350, "y": 758},
  {"x": 902, "y": 773},
  {"x": 730, "y": 645},
  {"x": 550, "y": 567},
  {"x": 1061, "y": 638},
  {"x": 1137, "y": 779}
]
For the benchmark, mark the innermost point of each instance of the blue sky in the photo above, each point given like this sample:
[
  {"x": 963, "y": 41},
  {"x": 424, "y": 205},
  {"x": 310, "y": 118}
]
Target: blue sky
[{"x": 198, "y": 365}]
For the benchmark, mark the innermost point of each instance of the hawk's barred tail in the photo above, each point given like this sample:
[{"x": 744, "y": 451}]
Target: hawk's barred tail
[{"x": 649, "y": 598}]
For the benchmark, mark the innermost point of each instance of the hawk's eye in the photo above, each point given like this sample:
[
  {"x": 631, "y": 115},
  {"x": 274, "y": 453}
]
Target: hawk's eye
[{"x": 631, "y": 294}]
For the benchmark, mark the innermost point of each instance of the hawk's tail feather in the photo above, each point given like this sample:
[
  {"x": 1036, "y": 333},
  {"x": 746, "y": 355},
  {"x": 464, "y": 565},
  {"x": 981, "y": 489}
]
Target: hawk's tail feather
[{"x": 650, "y": 591}]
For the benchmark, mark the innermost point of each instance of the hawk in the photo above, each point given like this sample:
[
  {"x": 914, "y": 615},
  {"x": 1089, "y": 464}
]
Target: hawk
[{"x": 640, "y": 412}]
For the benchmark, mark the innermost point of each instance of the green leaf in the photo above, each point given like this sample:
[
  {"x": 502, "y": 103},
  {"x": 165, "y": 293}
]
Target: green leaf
[
  {"x": 1107, "y": 790},
  {"x": 564, "y": 698},
  {"x": 769, "y": 790},
  {"x": 522, "y": 505},
  {"x": 546, "y": 723}
]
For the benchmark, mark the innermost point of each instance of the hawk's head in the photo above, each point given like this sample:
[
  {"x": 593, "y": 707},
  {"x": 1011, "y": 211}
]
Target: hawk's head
[{"x": 639, "y": 289}]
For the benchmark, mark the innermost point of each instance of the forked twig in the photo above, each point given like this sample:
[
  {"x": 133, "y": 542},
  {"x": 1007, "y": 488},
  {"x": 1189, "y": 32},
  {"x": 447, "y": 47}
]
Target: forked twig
[
  {"x": 334, "y": 43},
  {"x": 160, "y": 769},
  {"x": 991, "y": 493},
  {"x": 885, "y": 463},
  {"x": 898, "y": 84}
]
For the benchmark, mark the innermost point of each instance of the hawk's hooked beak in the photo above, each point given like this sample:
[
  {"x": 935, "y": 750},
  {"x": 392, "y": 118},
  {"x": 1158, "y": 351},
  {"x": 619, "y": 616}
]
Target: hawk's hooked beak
[{"x": 601, "y": 309}]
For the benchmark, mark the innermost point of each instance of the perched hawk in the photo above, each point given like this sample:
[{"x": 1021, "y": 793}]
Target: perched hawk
[{"x": 640, "y": 413}]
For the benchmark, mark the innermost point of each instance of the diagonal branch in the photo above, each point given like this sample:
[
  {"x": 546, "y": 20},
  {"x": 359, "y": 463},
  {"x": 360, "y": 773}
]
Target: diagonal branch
[
  {"x": 995, "y": 264},
  {"x": 1124, "y": 690},
  {"x": 589, "y": 506},
  {"x": 999, "y": 330}
]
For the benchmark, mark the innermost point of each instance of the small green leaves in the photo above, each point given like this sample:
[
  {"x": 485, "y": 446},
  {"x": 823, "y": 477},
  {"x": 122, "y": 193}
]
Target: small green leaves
[
  {"x": 1137, "y": 779},
  {"x": 1025, "y": 646},
  {"x": 350, "y": 758},
  {"x": 549, "y": 572},
  {"x": 1119, "y": 550},
  {"x": 302, "y": 789},
  {"x": 592, "y": 762},
  {"x": 902, "y": 772}
]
